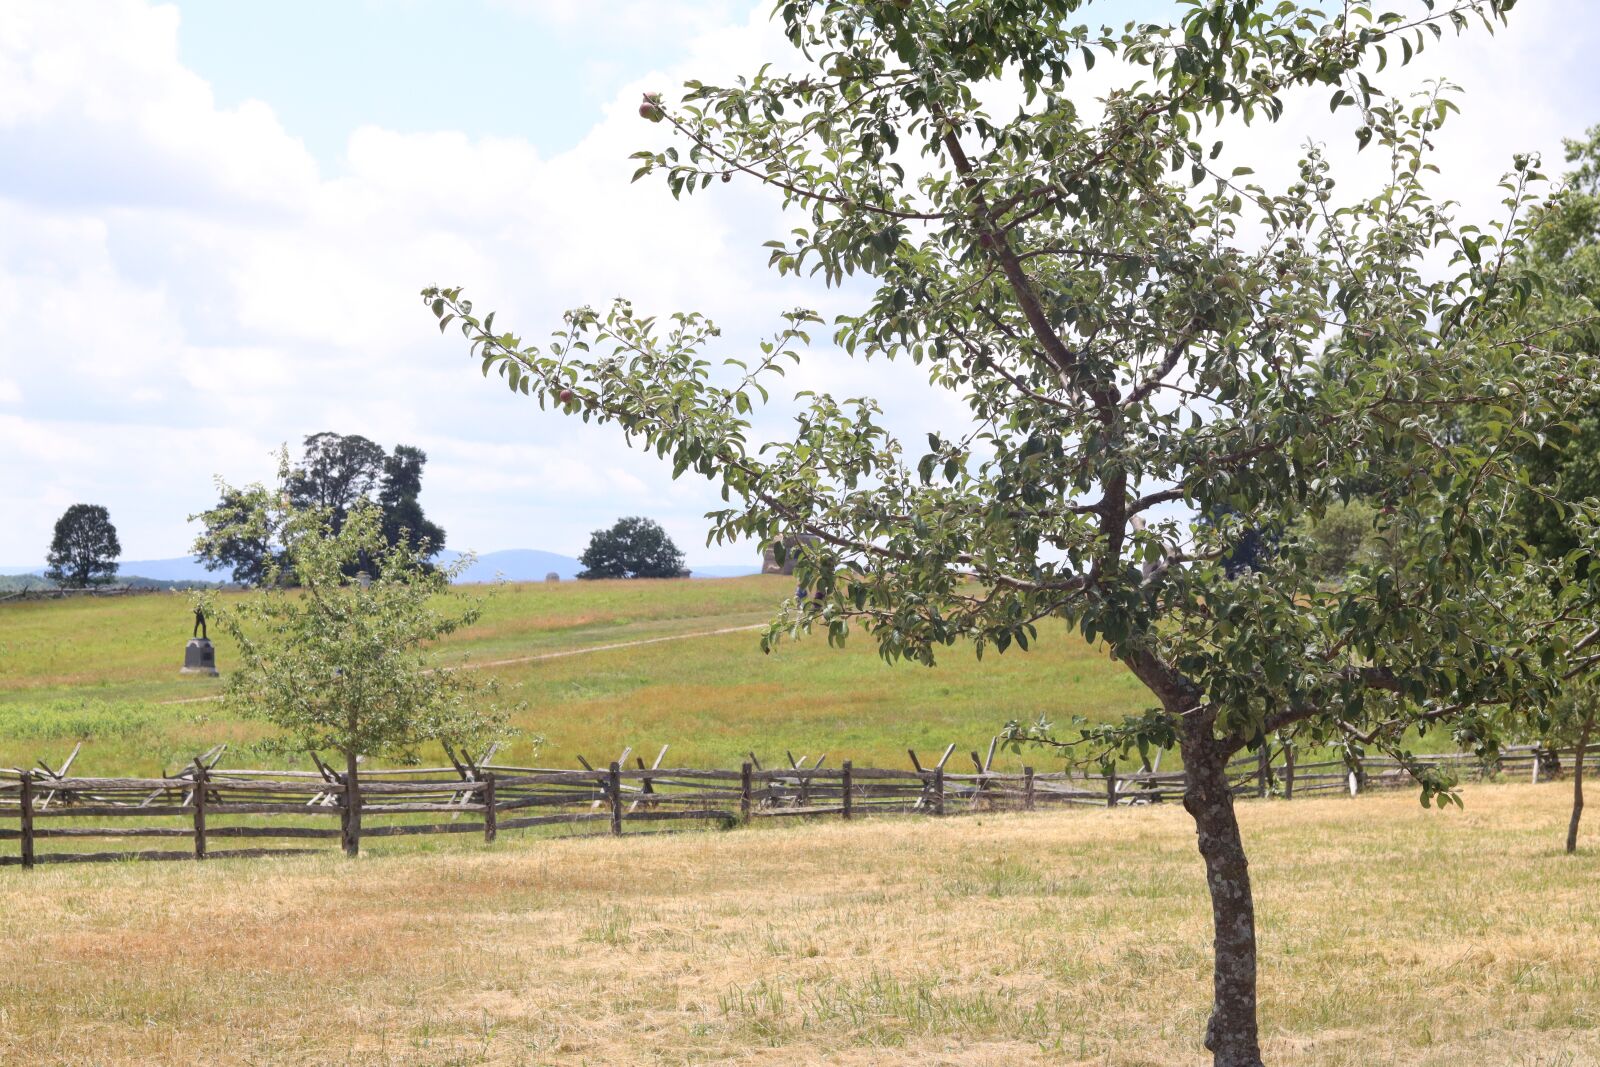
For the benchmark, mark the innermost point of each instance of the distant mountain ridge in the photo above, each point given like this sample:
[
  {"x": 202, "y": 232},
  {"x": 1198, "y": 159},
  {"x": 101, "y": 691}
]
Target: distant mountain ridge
[
  {"x": 181, "y": 569},
  {"x": 515, "y": 564}
]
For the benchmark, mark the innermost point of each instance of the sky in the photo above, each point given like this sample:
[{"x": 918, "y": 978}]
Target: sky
[{"x": 216, "y": 215}]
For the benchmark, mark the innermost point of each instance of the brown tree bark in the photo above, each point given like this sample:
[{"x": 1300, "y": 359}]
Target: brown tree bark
[
  {"x": 1231, "y": 1034},
  {"x": 1577, "y": 781},
  {"x": 352, "y": 813}
]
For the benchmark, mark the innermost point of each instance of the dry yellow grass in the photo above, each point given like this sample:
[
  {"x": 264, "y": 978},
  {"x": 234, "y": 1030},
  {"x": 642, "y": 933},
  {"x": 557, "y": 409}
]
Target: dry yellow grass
[{"x": 1391, "y": 935}]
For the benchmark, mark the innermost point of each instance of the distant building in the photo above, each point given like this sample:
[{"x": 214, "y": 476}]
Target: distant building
[{"x": 769, "y": 562}]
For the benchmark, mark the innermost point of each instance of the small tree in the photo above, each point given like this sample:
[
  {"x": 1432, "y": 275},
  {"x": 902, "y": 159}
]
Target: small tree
[
  {"x": 1133, "y": 324},
  {"x": 633, "y": 548},
  {"x": 85, "y": 548},
  {"x": 339, "y": 664},
  {"x": 1569, "y": 720}
]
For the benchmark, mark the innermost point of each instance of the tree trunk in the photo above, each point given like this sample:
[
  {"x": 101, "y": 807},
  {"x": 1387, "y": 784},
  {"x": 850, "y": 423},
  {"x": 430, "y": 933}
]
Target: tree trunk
[
  {"x": 1231, "y": 1034},
  {"x": 352, "y": 813},
  {"x": 1577, "y": 781}
]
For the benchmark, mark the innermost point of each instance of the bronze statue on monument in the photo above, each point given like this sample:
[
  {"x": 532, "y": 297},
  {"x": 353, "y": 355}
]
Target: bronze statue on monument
[{"x": 199, "y": 655}]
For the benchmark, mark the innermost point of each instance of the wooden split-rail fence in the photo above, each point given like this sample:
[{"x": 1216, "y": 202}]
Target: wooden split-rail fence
[
  {"x": 96, "y": 591},
  {"x": 219, "y": 812}
]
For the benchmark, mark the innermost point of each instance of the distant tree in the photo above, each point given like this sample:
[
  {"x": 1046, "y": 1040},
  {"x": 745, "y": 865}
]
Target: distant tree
[
  {"x": 633, "y": 548},
  {"x": 398, "y": 500},
  {"x": 336, "y": 473},
  {"x": 238, "y": 539},
  {"x": 339, "y": 665},
  {"x": 85, "y": 548},
  {"x": 1340, "y": 538}
]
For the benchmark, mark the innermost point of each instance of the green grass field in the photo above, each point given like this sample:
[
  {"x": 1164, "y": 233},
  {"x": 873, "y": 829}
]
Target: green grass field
[
  {"x": 105, "y": 671},
  {"x": 1390, "y": 934}
]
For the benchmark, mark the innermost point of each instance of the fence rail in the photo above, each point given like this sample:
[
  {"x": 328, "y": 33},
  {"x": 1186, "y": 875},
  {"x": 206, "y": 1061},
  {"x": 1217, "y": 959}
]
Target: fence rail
[
  {"x": 61, "y": 593},
  {"x": 206, "y": 805}
]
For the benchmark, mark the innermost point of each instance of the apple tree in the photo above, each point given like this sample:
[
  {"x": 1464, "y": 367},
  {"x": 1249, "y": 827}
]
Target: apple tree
[
  {"x": 338, "y": 663},
  {"x": 1160, "y": 352},
  {"x": 1564, "y": 463}
]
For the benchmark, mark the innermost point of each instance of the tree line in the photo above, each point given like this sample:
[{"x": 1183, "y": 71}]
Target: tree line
[{"x": 335, "y": 474}]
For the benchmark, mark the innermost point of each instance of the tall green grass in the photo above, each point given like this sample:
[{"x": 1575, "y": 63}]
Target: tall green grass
[{"x": 106, "y": 670}]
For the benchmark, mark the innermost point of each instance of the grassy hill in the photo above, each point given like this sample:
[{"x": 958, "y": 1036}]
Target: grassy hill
[
  {"x": 1404, "y": 936},
  {"x": 106, "y": 671}
]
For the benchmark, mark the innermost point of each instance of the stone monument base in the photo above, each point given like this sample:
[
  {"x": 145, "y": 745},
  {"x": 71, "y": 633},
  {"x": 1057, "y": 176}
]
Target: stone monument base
[{"x": 199, "y": 657}]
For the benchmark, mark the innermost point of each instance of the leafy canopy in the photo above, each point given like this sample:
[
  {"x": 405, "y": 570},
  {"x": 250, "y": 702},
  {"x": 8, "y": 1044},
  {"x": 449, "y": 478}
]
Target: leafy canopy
[
  {"x": 1565, "y": 256},
  {"x": 337, "y": 472},
  {"x": 633, "y": 548},
  {"x": 1564, "y": 465},
  {"x": 339, "y": 664},
  {"x": 1143, "y": 334}
]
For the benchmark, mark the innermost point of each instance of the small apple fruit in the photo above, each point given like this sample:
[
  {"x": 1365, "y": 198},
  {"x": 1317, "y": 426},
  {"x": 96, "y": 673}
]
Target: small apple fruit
[
  {"x": 565, "y": 396},
  {"x": 650, "y": 108}
]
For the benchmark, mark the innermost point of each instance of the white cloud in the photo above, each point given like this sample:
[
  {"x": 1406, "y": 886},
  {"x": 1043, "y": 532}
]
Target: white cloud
[
  {"x": 181, "y": 288},
  {"x": 205, "y": 294},
  {"x": 94, "y": 99}
]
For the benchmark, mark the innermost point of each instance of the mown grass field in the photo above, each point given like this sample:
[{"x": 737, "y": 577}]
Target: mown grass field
[
  {"x": 105, "y": 670},
  {"x": 1404, "y": 937}
]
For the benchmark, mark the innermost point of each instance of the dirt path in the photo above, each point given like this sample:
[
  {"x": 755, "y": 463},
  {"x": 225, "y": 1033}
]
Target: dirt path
[
  {"x": 606, "y": 648},
  {"x": 551, "y": 655}
]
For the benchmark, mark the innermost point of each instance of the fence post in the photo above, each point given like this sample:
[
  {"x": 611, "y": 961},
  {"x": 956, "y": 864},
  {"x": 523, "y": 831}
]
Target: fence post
[
  {"x": 1111, "y": 787},
  {"x": 27, "y": 820},
  {"x": 615, "y": 788},
  {"x": 1027, "y": 789},
  {"x": 848, "y": 785},
  {"x": 1263, "y": 768},
  {"x": 744, "y": 792},
  {"x": 490, "y": 822},
  {"x": 1288, "y": 770},
  {"x": 938, "y": 790},
  {"x": 199, "y": 811}
]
